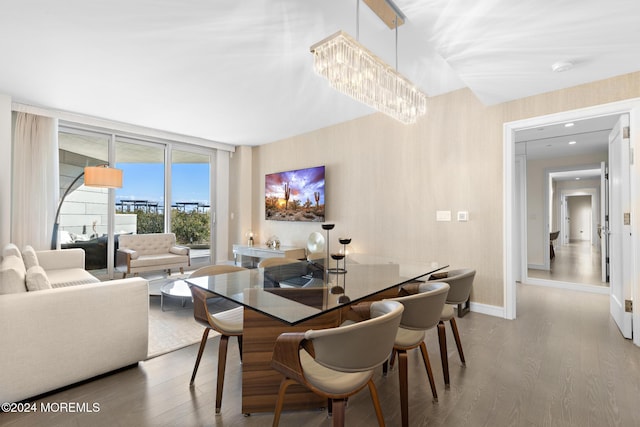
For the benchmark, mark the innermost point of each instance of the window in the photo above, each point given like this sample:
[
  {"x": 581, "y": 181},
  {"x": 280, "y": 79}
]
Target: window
[{"x": 140, "y": 206}]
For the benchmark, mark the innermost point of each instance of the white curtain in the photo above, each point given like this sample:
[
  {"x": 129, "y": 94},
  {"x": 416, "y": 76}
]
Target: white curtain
[{"x": 35, "y": 174}]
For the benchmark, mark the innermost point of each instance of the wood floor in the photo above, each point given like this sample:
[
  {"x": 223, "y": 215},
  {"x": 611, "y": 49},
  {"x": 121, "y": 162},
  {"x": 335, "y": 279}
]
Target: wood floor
[
  {"x": 575, "y": 262},
  {"x": 561, "y": 363}
]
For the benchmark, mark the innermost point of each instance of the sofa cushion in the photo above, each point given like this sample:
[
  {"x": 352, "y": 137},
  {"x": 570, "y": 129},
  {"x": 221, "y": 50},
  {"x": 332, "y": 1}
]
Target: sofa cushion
[
  {"x": 37, "y": 279},
  {"x": 29, "y": 257},
  {"x": 10, "y": 249},
  {"x": 70, "y": 277},
  {"x": 12, "y": 275},
  {"x": 159, "y": 260}
]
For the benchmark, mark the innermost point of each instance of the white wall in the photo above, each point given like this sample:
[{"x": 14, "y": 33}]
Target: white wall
[{"x": 579, "y": 210}]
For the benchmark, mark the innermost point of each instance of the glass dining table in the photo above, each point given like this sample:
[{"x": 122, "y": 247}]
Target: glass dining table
[{"x": 296, "y": 297}]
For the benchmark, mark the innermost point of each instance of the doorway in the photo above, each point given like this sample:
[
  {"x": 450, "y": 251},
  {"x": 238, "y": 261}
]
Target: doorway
[{"x": 515, "y": 206}]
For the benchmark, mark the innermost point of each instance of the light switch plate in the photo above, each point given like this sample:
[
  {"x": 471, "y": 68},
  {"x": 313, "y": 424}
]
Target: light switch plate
[
  {"x": 463, "y": 216},
  {"x": 443, "y": 215}
]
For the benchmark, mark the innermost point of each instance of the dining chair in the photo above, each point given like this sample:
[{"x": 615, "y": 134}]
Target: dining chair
[
  {"x": 422, "y": 312},
  {"x": 336, "y": 363},
  {"x": 461, "y": 282},
  {"x": 228, "y": 323}
]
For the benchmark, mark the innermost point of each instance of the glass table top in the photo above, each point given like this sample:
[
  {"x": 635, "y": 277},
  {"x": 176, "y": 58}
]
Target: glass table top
[{"x": 298, "y": 291}]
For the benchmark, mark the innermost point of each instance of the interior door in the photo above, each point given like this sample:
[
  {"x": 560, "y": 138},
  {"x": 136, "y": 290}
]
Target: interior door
[
  {"x": 603, "y": 227},
  {"x": 620, "y": 225},
  {"x": 566, "y": 221}
]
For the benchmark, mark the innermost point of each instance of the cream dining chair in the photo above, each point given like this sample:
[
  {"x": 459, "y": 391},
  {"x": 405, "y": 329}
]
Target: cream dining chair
[
  {"x": 228, "y": 323},
  {"x": 338, "y": 362},
  {"x": 422, "y": 312},
  {"x": 461, "y": 282}
]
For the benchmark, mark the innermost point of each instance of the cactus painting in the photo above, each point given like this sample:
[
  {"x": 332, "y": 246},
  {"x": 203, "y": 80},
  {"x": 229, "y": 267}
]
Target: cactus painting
[{"x": 289, "y": 195}]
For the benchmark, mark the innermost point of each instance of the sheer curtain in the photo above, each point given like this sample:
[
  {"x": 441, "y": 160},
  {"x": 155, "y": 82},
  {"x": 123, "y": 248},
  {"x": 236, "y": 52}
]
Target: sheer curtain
[{"x": 35, "y": 189}]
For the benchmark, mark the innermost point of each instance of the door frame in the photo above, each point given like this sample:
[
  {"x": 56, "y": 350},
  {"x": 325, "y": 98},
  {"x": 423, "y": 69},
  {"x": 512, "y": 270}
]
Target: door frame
[{"x": 512, "y": 244}]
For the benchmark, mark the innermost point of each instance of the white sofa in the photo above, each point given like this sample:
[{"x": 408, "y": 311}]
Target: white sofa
[
  {"x": 55, "y": 337},
  {"x": 150, "y": 252}
]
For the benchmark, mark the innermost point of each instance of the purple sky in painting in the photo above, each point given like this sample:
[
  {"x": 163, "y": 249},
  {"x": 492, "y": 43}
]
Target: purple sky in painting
[{"x": 303, "y": 183}]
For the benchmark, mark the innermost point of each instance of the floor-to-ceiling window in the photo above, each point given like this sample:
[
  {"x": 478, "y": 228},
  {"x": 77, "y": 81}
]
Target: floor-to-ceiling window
[
  {"x": 140, "y": 203},
  {"x": 191, "y": 219},
  {"x": 84, "y": 215},
  {"x": 164, "y": 189}
]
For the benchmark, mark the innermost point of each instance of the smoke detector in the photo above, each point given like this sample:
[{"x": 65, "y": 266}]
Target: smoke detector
[{"x": 561, "y": 66}]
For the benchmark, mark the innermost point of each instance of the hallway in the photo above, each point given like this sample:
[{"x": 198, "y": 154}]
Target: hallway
[{"x": 576, "y": 262}]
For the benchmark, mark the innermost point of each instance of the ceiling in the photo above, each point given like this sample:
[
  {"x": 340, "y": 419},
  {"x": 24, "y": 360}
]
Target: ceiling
[{"x": 240, "y": 72}]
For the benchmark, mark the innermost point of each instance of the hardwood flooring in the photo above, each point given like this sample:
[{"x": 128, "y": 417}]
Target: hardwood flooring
[
  {"x": 575, "y": 262},
  {"x": 561, "y": 363}
]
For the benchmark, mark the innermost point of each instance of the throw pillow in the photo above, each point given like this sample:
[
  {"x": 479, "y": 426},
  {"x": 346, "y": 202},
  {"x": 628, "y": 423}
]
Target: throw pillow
[
  {"x": 12, "y": 275},
  {"x": 10, "y": 249},
  {"x": 29, "y": 257},
  {"x": 37, "y": 279},
  {"x": 179, "y": 250}
]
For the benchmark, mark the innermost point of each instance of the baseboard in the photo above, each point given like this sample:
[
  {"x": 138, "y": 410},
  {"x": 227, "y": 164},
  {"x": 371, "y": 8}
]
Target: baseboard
[{"x": 491, "y": 310}]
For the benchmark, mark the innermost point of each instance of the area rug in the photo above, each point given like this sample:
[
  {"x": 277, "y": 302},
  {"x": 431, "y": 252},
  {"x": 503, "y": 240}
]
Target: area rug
[{"x": 174, "y": 328}]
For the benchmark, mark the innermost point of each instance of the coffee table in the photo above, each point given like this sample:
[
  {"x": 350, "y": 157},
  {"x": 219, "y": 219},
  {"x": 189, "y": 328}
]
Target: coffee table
[{"x": 175, "y": 289}]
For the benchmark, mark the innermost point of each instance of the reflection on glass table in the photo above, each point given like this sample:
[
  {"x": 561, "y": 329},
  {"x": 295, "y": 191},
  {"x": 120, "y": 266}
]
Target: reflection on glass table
[{"x": 300, "y": 291}]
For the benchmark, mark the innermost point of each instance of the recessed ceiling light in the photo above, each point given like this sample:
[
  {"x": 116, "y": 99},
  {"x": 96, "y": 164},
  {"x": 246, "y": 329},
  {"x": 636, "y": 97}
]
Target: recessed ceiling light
[
  {"x": 561, "y": 66},
  {"x": 572, "y": 142},
  {"x": 568, "y": 125},
  {"x": 578, "y": 179}
]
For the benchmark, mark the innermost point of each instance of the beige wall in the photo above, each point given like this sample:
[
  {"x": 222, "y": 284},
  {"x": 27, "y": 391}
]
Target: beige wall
[{"x": 385, "y": 180}]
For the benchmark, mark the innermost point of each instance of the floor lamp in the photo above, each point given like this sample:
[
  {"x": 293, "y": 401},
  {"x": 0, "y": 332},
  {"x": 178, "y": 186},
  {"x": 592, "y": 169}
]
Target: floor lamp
[{"x": 101, "y": 176}]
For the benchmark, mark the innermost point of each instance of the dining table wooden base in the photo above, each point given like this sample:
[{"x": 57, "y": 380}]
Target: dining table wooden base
[{"x": 260, "y": 383}]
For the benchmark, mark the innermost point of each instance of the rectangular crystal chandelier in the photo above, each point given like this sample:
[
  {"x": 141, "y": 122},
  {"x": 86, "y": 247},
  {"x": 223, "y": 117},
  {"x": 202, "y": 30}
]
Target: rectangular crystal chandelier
[{"x": 355, "y": 71}]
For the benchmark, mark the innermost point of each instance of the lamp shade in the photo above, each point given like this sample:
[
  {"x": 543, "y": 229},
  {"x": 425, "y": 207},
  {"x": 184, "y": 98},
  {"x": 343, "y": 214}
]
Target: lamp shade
[{"x": 101, "y": 176}]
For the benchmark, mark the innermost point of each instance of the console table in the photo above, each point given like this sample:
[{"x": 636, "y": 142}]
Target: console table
[{"x": 246, "y": 256}]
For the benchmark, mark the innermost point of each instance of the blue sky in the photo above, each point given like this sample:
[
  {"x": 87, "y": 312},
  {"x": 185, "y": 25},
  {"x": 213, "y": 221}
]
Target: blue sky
[{"x": 145, "y": 181}]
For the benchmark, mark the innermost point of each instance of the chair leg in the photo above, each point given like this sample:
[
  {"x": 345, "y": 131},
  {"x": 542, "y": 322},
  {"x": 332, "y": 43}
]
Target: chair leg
[
  {"x": 393, "y": 358},
  {"x": 427, "y": 365},
  {"x": 240, "y": 346},
  {"x": 338, "y": 412},
  {"x": 404, "y": 387},
  {"x": 388, "y": 364},
  {"x": 464, "y": 308},
  {"x": 286, "y": 382},
  {"x": 222, "y": 361},
  {"x": 203, "y": 343},
  {"x": 376, "y": 402},
  {"x": 456, "y": 336},
  {"x": 442, "y": 338}
]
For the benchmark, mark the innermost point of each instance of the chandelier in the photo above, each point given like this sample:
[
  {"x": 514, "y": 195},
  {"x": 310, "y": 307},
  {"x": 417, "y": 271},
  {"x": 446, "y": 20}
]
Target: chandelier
[{"x": 355, "y": 71}]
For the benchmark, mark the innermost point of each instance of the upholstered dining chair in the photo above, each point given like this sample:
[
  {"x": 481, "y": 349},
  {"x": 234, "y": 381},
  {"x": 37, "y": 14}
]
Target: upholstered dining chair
[
  {"x": 422, "y": 312},
  {"x": 228, "y": 323},
  {"x": 338, "y": 362},
  {"x": 461, "y": 282}
]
